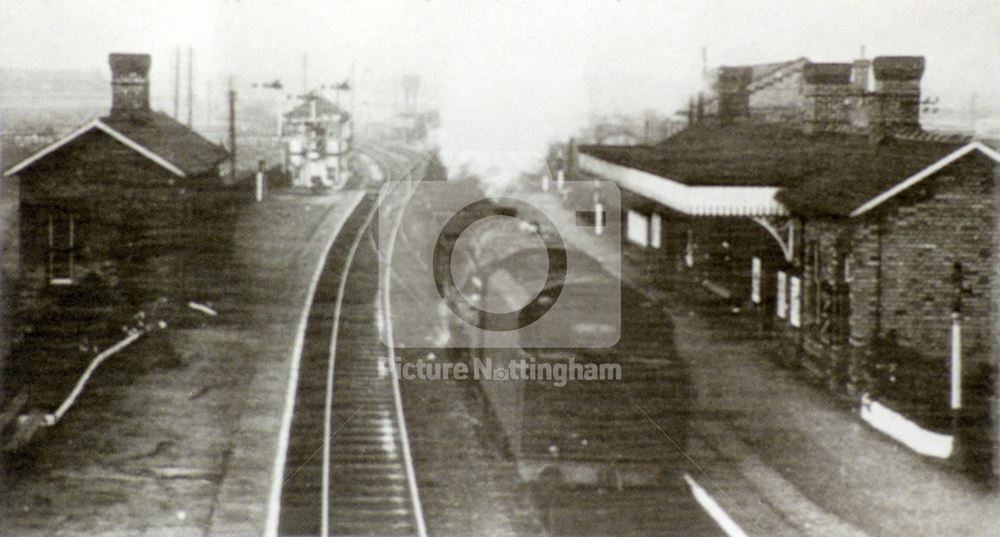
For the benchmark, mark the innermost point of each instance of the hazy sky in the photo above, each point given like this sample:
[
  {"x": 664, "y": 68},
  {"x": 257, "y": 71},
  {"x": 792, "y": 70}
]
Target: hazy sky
[{"x": 511, "y": 74}]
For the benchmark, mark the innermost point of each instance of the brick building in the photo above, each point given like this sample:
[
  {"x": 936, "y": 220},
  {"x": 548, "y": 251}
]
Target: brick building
[
  {"x": 317, "y": 141},
  {"x": 890, "y": 248},
  {"x": 110, "y": 213},
  {"x": 865, "y": 239}
]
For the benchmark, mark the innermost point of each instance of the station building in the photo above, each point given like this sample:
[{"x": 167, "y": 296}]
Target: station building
[
  {"x": 316, "y": 137},
  {"x": 112, "y": 210},
  {"x": 808, "y": 193}
]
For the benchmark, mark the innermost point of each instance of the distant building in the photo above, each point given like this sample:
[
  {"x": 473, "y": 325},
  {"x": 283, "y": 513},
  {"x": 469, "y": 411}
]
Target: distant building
[
  {"x": 317, "y": 139},
  {"x": 113, "y": 205}
]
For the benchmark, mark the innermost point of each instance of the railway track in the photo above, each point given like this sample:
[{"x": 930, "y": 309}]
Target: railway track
[{"x": 348, "y": 468}]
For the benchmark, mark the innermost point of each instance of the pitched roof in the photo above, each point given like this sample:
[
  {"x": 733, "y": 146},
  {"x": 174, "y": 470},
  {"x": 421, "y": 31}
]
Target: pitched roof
[
  {"x": 900, "y": 186},
  {"x": 860, "y": 172},
  {"x": 710, "y": 154},
  {"x": 172, "y": 141},
  {"x": 837, "y": 173},
  {"x": 156, "y": 136},
  {"x": 324, "y": 107}
]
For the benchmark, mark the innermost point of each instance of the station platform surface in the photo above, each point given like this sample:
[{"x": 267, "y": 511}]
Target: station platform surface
[
  {"x": 178, "y": 434},
  {"x": 781, "y": 455}
]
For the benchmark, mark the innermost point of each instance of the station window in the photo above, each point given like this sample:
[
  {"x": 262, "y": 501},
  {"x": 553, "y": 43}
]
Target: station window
[{"x": 61, "y": 242}]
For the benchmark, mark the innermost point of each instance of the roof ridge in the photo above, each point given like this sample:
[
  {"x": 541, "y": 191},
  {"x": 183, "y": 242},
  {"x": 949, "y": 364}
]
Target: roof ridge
[
  {"x": 910, "y": 134},
  {"x": 918, "y": 134},
  {"x": 775, "y": 75}
]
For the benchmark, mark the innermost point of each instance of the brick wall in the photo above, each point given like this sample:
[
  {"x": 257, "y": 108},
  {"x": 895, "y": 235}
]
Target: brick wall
[
  {"x": 784, "y": 92},
  {"x": 900, "y": 264},
  {"x": 136, "y": 227},
  {"x": 779, "y": 101},
  {"x": 9, "y": 259},
  {"x": 948, "y": 218},
  {"x": 865, "y": 263}
]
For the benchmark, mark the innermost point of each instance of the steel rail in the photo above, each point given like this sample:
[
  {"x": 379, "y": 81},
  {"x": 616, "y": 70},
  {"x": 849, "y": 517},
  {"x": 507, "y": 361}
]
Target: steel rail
[{"x": 397, "y": 397}]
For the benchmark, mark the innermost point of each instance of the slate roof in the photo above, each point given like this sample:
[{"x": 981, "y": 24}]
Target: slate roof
[
  {"x": 171, "y": 140},
  {"x": 154, "y": 135},
  {"x": 829, "y": 173},
  {"x": 861, "y": 175}
]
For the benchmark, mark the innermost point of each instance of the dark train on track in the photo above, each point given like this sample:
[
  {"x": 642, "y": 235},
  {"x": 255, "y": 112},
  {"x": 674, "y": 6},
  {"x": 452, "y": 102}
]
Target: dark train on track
[{"x": 613, "y": 432}]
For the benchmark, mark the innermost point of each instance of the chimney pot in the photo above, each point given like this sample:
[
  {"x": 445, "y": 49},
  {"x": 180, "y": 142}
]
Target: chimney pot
[
  {"x": 129, "y": 84},
  {"x": 734, "y": 93},
  {"x": 898, "y": 68}
]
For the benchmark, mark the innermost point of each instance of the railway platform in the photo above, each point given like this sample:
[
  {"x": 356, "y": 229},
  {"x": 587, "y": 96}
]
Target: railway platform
[
  {"x": 779, "y": 455},
  {"x": 184, "y": 442}
]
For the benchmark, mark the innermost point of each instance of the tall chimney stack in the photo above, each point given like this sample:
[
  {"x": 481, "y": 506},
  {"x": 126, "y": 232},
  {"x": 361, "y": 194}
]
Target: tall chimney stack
[
  {"x": 734, "y": 93},
  {"x": 897, "y": 91},
  {"x": 129, "y": 85},
  {"x": 826, "y": 88}
]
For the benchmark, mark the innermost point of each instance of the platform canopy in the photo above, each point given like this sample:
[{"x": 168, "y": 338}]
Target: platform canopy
[{"x": 761, "y": 170}]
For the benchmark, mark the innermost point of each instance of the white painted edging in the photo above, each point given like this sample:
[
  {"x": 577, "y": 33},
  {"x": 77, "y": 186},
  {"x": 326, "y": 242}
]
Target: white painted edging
[
  {"x": 713, "y": 509},
  {"x": 278, "y": 472},
  {"x": 897, "y": 426}
]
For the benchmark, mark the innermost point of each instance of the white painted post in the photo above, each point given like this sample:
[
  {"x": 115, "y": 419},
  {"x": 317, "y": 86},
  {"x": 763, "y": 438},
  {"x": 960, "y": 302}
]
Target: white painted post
[
  {"x": 598, "y": 218},
  {"x": 782, "y": 304},
  {"x": 956, "y": 361},
  {"x": 755, "y": 273},
  {"x": 259, "y": 186},
  {"x": 795, "y": 301},
  {"x": 560, "y": 179}
]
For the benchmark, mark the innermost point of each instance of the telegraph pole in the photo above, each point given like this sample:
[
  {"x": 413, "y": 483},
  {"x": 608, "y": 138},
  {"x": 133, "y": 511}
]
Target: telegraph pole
[
  {"x": 232, "y": 132},
  {"x": 208, "y": 103},
  {"x": 177, "y": 82},
  {"x": 190, "y": 118},
  {"x": 305, "y": 74}
]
